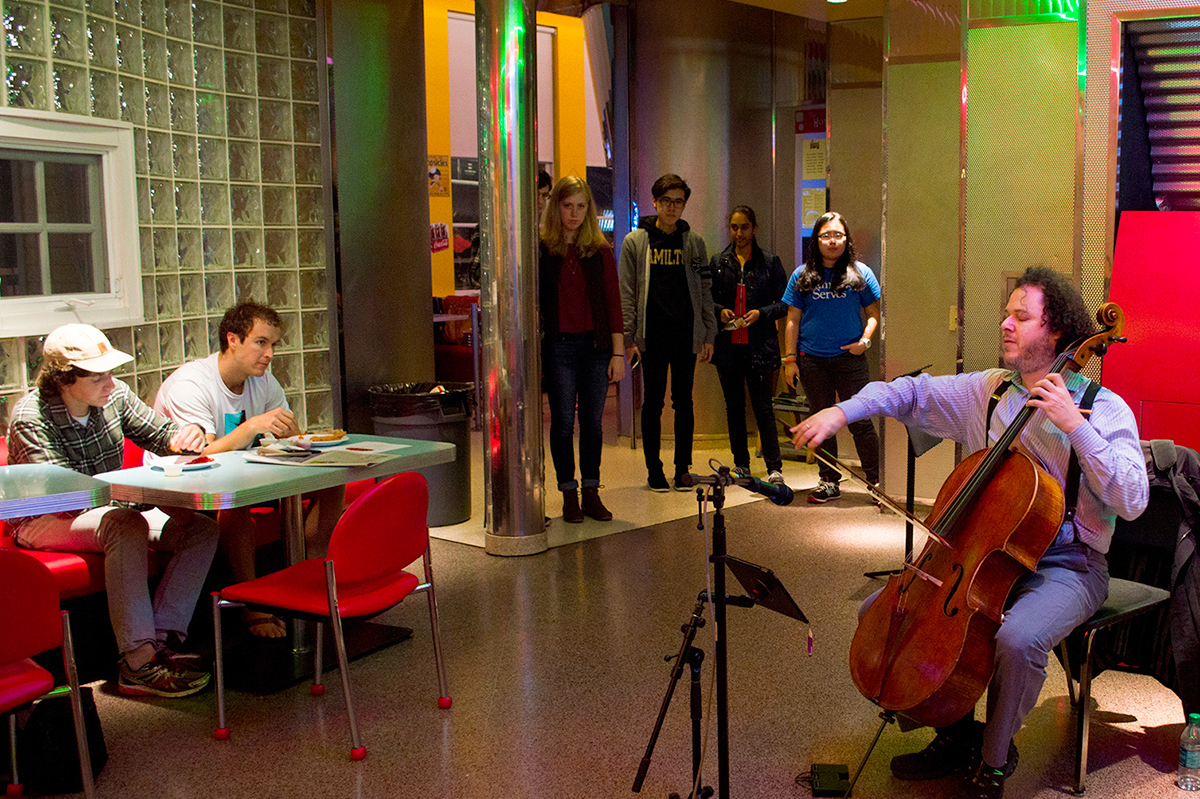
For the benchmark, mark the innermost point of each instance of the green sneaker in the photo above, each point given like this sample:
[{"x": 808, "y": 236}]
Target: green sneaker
[{"x": 162, "y": 676}]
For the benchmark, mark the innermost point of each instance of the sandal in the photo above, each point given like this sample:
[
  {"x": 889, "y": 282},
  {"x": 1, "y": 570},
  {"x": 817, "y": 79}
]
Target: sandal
[{"x": 264, "y": 625}]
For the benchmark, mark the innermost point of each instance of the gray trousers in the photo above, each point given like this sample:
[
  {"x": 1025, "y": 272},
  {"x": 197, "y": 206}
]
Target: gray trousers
[
  {"x": 1070, "y": 584},
  {"x": 125, "y": 537},
  {"x": 1044, "y": 607}
]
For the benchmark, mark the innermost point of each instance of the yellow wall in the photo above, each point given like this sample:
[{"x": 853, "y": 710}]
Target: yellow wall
[{"x": 570, "y": 145}]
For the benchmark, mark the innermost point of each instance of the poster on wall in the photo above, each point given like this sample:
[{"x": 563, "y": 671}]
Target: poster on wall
[
  {"x": 813, "y": 163},
  {"x": 439, "y": 176},
  {"x": 439, "y": 237},
  {"x": 811, "y": 207}
]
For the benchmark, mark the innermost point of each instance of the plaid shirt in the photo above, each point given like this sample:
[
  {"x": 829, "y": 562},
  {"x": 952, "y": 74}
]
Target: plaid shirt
[{"x": 41, "y": 431}]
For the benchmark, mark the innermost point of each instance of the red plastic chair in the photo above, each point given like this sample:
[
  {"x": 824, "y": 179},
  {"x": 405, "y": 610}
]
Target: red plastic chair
[
  {"x": 377, "y": 537},
  {"x": 32, "y": 624}
]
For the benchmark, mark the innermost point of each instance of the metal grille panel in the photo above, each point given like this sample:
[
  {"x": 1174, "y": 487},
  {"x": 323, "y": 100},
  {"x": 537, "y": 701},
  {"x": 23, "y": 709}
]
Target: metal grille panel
[
  {"x": 1100, "y": 130},
  {"x": 1015, "y": 9},
  {"x": 1020, "y": 155},
  {"x": 1167, "y": 52}
]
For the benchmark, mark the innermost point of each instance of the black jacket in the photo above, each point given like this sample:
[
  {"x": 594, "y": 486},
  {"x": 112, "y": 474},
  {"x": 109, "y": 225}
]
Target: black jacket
[{"x": 765, "y": 283}]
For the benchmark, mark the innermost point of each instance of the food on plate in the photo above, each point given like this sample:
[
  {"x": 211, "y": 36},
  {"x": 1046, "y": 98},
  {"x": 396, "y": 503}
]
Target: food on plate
[
  {"x": 326, "y": 435},
  {"x": 201, "y": 459}
]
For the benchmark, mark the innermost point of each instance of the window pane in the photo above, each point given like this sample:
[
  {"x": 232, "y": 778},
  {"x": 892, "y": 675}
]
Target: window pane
[
  {"x": 20, "y": 265},
  {"x": 18, "y": 191},
  {"x": 70, "y": 263},
  {"x": 66, "y": 193}
]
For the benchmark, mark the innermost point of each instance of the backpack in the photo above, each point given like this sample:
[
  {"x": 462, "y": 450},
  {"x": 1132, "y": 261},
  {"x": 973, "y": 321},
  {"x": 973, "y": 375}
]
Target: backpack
[{"x": 47, "y": 755}]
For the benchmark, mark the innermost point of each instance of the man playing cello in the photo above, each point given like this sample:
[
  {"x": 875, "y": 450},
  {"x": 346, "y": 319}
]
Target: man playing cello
[{"x": 1044, "y": 315}]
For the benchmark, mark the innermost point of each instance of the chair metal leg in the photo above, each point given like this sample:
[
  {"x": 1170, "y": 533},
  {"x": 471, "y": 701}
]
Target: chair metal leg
[
  {"x": 1083, "y": 711},
  {"x": 358, "y": 752},
  {"x": 221, "y": 733},
  {"x": 1066, "y": 662},
  {"x": 318, "y": 688},
  {"x": 12, "y": 752},
  {"x": 444, "y": 700},
  {"x": 85, "y": 755}
]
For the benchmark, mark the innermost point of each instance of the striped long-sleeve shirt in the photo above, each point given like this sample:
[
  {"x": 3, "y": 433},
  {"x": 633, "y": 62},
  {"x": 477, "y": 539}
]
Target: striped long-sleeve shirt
[{"x": 954, "y": 407}]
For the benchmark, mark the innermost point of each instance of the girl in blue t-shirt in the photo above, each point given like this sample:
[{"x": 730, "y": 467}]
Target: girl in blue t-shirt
[{"x": 826, "y": 337}]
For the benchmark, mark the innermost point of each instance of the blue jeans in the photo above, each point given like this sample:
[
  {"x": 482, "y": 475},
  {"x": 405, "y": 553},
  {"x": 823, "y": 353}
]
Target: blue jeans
[{"x": 576, "y": 374}]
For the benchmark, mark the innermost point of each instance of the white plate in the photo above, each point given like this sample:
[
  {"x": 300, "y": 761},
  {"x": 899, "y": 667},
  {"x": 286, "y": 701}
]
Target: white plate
[
  {"x": 306, "y": 439},
  {"x": 189, "y": 467}
]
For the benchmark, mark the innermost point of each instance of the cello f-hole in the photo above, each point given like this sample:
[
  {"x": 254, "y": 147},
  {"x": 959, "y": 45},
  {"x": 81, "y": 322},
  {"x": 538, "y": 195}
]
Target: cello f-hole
[{"x": 946, "y": 609}]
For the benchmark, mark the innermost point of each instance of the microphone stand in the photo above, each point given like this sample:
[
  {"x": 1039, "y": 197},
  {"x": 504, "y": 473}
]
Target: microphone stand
[
  {"x": 764, "y": 589},
  {"x": 716, "y": 493},
  {"x": 719, "y": 644}
]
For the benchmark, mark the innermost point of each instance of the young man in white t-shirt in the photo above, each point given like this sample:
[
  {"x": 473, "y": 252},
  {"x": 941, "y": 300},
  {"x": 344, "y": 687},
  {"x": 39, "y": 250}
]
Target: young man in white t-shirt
[{"x": 233, "y": 397}]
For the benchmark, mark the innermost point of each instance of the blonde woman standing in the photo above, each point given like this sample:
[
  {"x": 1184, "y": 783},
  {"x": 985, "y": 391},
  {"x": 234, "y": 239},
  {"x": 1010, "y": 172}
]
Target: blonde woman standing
[{"x": 582, "y": 339}]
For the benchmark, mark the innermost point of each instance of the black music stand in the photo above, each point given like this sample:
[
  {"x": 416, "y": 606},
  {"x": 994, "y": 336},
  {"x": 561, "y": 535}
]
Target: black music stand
[
  {"x": 764, "y": 588},
  {"x": 919, "y": 442}
]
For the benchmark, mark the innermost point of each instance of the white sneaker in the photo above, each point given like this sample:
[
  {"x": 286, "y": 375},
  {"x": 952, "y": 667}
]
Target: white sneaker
[{"x": 775, "y": 477}]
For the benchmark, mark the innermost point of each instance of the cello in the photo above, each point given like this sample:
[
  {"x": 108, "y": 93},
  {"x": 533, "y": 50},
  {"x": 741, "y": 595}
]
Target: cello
[{"x": 926, "y": 646}]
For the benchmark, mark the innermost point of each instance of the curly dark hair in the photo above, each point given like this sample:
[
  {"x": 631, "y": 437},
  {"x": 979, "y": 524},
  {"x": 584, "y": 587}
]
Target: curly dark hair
[
  {"x": 239, "y": 320},
  {"x": 51, "y": 380},
  {"x": 846, "y": 276},
  {"x": 1063, "y": 309}
]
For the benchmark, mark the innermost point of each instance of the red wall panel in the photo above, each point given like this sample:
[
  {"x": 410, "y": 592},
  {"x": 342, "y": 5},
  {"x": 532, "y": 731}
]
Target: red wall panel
[{"x": 1156, "y": 281}]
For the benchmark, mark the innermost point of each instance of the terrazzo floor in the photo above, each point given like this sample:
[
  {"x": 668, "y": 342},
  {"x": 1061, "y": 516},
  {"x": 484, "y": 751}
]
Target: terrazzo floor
[{"x": 556, "y": 665}]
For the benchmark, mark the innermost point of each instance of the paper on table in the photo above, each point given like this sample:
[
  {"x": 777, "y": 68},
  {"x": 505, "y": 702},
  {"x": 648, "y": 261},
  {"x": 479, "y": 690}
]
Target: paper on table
[
  {"x": 369, "y": 446},
  {"x": 326, "y": 457}
]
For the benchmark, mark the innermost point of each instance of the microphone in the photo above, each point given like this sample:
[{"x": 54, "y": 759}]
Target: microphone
[{"x": 779, "y": 495}]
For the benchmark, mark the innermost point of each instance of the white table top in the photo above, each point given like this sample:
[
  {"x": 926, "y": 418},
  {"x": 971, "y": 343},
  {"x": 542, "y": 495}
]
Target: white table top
[
  {"x": 31, "y": 489},
  {"x": 234, "y": 482}
]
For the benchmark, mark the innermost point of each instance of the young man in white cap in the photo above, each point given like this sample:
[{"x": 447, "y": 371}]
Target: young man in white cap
[
  {"x": 78, "y": 416},
  {"x": 233, "y": 397}
]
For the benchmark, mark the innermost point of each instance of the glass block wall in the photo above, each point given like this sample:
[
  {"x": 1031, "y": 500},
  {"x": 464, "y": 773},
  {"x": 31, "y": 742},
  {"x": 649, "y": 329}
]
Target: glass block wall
[{"x": 223, "y": 100}]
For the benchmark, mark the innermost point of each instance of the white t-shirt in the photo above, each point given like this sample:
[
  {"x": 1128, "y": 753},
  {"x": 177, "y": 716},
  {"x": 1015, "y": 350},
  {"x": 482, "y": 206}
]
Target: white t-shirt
[{"x": 195, "y": 393}]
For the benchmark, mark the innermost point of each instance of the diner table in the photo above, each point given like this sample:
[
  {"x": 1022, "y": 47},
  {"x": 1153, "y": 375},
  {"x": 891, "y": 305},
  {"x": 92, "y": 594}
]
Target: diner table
[
  {"x": 231, "y": 481},
  {"x": 31, "y": 489}
]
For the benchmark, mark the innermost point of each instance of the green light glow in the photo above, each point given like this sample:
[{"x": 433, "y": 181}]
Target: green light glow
[{"x": 1066, "y": 10}]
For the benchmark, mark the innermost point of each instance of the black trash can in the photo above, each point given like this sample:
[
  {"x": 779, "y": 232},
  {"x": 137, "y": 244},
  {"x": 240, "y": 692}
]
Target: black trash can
[{"x": 412, "y": 410}]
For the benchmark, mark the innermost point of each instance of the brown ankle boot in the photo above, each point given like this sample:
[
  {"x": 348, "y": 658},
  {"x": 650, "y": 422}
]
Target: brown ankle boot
[
  {"x": 571, "y": 512},
  {"x": 592, "y": 505}
]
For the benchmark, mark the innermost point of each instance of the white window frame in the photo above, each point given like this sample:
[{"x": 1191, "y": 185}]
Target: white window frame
[{"x": 121, "y": 304}]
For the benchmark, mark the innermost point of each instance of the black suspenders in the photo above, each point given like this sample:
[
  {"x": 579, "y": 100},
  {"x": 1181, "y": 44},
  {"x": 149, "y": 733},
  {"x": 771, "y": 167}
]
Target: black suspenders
[{"x": 1074, "y": 474}]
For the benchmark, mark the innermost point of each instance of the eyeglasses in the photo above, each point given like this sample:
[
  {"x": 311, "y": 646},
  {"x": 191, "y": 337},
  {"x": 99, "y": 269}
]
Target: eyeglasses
[
  {"x": 832, "y": 235},
  {"x": 669, "y": 203}
]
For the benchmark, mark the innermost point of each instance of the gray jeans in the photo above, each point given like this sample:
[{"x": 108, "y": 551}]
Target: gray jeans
[
  {"x": 1070, "y": 584},
  {"x": 125, "y": 537}
]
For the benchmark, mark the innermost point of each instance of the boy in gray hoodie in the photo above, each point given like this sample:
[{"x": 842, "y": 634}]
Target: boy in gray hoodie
[{"x": 666, "y": 301}]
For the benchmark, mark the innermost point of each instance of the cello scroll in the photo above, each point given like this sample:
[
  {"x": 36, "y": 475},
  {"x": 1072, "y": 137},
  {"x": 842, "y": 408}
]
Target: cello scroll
[{"x": 1111, "y": 319}]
